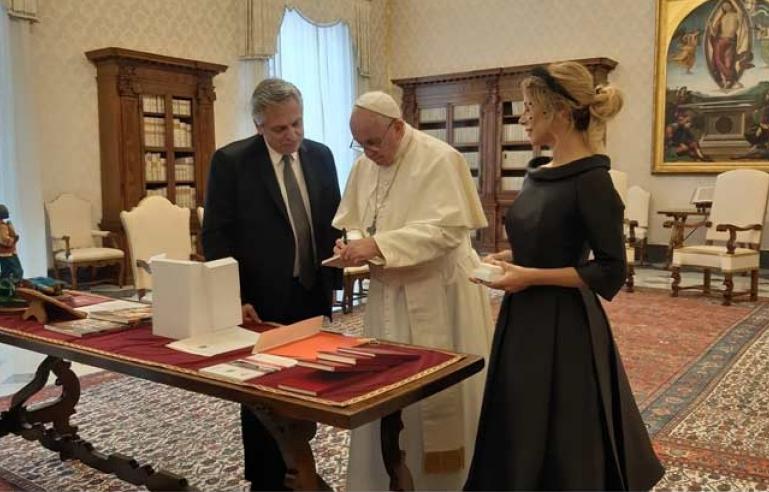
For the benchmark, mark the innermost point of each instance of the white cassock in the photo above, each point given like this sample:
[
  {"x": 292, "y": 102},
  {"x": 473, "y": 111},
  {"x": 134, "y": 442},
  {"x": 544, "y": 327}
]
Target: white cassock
[{"x": 425, "y": 206}]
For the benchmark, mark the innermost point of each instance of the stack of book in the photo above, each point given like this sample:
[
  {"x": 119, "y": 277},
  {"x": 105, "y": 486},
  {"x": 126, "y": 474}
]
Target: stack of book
[
  {"x": 250, "y": 367},
  {"x": 85, "y": 327},
  {"x": 357, "y": 359},
  {"x": 335, "y": 368}
]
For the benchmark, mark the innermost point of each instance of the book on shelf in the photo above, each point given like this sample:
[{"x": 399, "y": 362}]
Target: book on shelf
[
  {"x": 154, "y": 131},
  {"x": 182, "y": 133},
  {"x": 466, "y": 134},
  {"x": 153, "y": 104},
  {"x": 432, "y": 115},
  {"x": 182, "y": 107},
  {"x": 516, "y": 108},
  {"x": 467, "y": 112},
  {"x": 439, "y": 133},
  {"x": 85, "y": 327}
]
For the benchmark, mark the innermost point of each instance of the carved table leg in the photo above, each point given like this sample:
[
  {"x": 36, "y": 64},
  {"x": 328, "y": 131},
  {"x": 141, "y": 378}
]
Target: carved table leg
[
  {"x": 62, "y": 437},
  {"x": 754, "y": 285},
  {"x": 394, "y": 457},
  {"x": 293, "y": 438}
]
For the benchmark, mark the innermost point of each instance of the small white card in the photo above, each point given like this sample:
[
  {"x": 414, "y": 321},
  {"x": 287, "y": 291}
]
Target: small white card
[
  {"x": 232, "y": 372},
  {"x": 487, "y": 272},
  {"x": 218, "y": 342}
]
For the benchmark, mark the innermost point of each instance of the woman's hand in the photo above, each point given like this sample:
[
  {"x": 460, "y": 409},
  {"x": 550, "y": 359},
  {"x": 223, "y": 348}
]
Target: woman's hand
[
  {"x": 515, "y": 279},
  {"x": 505, "y": 255}
]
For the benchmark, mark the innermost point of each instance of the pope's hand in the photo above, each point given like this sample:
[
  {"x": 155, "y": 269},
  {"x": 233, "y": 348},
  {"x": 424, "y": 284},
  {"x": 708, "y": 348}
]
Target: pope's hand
[{"x": 357, "y": 252}]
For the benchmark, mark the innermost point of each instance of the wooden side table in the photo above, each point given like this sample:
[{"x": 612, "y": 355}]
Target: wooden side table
[{"x": 679, "y": 217}]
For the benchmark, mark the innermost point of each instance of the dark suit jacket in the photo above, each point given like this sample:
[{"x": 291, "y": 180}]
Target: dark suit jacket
[{"x": 246, "y": 218}]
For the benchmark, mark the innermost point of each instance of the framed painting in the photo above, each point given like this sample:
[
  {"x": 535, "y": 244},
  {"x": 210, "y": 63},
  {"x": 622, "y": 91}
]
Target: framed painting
[{"x": 711, "y": 86}]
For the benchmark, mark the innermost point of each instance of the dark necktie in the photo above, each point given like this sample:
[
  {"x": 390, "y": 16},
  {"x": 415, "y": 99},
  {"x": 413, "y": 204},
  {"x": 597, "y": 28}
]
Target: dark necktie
[{"x": 301, "y": 225}]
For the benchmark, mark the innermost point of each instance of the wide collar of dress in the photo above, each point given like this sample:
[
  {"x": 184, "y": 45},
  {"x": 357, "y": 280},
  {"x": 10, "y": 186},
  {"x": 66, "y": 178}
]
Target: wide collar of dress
[{"x": 573, "y": 168}]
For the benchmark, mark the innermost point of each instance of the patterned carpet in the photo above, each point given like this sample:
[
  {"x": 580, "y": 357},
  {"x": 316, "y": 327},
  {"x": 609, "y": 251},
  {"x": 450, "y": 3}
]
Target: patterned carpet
[{"x": 699, "y": 371}]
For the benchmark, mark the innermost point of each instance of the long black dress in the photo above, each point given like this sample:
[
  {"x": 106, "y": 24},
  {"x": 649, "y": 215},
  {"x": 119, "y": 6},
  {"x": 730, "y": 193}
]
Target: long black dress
[{"x": 558, "y": 412}]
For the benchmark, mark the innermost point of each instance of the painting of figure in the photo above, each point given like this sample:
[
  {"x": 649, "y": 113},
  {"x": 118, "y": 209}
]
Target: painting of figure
[{"x": 712, "y": 94}]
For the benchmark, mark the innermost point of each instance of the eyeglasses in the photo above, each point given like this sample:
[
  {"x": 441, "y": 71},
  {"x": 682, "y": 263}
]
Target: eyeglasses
[{"x": 373, "y": 144}]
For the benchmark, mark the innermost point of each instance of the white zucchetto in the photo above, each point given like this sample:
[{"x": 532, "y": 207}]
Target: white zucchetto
[{"x": 380, "y": 103}]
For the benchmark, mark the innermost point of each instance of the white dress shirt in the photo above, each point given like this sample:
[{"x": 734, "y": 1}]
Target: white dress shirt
[{"x": 277, "y": 164}]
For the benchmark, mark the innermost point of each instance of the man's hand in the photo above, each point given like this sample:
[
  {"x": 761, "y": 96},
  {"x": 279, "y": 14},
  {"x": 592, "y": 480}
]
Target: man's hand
[
  {"x": 357, "y": 252},
  {"x": 249, "y": 314}
]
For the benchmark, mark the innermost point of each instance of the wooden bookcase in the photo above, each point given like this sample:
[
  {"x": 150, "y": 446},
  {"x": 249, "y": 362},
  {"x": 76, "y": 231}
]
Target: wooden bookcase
[
  {"x": 156, "y": 129},
  {"x": 477, "y": 112}
]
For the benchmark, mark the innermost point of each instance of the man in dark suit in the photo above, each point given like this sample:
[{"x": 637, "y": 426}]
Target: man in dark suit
[{"x": 270, "y": 200}]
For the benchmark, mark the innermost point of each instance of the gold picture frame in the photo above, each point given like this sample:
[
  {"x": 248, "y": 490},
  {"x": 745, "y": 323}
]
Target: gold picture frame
[{"x": 711, "y": 94}]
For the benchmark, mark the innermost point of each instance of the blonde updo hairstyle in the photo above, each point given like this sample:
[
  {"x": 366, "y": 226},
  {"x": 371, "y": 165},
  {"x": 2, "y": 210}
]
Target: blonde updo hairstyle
[{"x": 572, "y": 88}]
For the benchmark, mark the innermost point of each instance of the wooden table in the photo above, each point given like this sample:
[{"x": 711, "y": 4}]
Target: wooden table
[
  {"x": 292, "y": 421},
  {"x": 677, "y": 238}
]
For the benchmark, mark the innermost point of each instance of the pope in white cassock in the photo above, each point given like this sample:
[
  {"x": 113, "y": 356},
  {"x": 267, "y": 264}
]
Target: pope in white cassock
[{"x": 412, "y": 202}]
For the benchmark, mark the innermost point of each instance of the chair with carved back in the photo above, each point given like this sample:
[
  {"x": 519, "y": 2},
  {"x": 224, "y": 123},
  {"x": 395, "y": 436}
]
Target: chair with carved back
[
  {"x": 619, "y": 180},
  {"x": 733, "y": 234},
  {"x": 637, "y": 209},
  {"x": 73, "y": 240},
  {"x": 156, "y": 226},
  {"x": 352, "y": 277}
]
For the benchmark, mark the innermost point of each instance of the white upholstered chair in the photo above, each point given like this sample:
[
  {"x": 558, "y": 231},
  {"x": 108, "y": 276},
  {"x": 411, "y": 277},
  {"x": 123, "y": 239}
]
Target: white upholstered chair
[
  {"x": 733, "y": 235},
  {"x": 619, "y": 180},
  {"x": 637, "y": 209},
  {"x": 73, "y": 239},
  {"x": 153, "y": 227}
]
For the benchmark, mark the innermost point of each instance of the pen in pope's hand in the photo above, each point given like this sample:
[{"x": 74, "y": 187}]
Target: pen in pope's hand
[{"x": 344, "y": 236}]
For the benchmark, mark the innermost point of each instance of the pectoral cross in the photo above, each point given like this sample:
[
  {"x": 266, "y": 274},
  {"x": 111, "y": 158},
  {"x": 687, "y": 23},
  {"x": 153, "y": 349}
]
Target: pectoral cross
[{"x": 372, "y": 228}]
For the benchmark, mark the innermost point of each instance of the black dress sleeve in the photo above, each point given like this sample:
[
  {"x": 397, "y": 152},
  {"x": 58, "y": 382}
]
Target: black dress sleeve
[
  {"x": 602, "y": 212},
  {"x": 219, "y": 215}
]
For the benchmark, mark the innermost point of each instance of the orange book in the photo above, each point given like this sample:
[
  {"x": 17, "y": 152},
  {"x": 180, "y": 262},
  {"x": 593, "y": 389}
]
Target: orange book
[{"x": 308, "y": 348}]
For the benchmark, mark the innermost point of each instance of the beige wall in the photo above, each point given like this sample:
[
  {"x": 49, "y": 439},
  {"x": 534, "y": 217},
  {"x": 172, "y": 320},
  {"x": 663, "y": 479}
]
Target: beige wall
[
  {"x": 438, "y": 36},
  {"x": 65, "y": 81}
]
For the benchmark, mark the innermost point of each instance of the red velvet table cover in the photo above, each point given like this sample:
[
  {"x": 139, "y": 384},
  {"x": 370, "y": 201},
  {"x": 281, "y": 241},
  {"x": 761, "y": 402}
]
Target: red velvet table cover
[{"x": 140, "y": 345}]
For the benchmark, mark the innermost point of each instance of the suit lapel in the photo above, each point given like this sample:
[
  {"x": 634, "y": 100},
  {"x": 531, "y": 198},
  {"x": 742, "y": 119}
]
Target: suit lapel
[
  {"x": 312, "y": 181},
  {"x": 267, "y": 175}
]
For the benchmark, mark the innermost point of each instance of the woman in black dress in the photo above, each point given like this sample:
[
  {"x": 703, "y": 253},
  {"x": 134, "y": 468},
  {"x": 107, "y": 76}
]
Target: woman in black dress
[{"x": 558, "y": 412}]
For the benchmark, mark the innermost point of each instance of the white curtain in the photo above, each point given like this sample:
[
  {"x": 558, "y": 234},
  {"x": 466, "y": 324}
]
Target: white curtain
[
  {"x": 20, "y": 177},
  {"x": 318, "y": 59}
]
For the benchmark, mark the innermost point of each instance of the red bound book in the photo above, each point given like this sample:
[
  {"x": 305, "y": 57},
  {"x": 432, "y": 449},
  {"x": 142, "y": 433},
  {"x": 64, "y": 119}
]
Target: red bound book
[
  {"x": 354, "y": 359},
  {"x": 380, "y": 353},
  {"x": 316, "y": 383},
  {"x": 330, "y": 366}
]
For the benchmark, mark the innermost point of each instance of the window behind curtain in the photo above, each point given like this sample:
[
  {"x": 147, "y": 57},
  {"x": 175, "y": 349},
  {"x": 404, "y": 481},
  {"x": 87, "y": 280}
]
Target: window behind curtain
[{"x": 319, "y": 61}]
